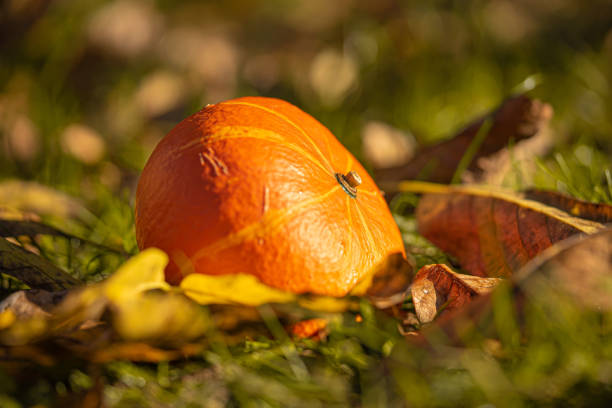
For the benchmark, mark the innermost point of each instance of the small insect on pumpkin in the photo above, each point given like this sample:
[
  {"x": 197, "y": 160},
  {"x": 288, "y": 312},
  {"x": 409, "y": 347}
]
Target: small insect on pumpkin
[{"x": 257, "y": 186}]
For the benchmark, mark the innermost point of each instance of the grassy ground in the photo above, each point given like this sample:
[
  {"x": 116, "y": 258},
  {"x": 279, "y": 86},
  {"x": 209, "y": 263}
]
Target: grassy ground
[{"x": 425, "y": 69}]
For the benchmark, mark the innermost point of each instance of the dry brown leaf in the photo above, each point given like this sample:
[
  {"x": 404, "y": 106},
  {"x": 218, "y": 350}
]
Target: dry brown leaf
[
  {"x": 579, "y": 208},
  {"x": 517, "y": 118},
  {"x": 25, "y": 304},
  {"x": 575, "y": 273},
  {"x": 580, "y": 267},
  {"x": 436, "y": 287},
  {"x": 425, "y": 299},
  {"x": 495, "y": 169},
  {"x": 492, "y": 232}
]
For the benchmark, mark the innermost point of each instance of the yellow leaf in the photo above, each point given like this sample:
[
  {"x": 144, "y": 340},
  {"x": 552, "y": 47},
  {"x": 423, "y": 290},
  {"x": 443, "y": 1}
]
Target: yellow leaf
[
  {"x": 166, "y": 317},
  {"x": 231, "y": 289},
  {"x": 328, "y": 304},
  {"x": 21, "y": 332},
  {"x": 7, "y": 318},
  {"x": 140, "y": 273}
]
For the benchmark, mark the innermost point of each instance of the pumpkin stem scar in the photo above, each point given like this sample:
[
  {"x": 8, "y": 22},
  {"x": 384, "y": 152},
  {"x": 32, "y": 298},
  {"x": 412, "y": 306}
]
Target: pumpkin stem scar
[{"x": 349, "y": 182}]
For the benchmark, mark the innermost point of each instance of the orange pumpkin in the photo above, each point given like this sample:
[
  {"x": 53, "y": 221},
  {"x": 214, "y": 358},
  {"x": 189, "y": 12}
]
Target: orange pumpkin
[{"x": 255, "y": 185}]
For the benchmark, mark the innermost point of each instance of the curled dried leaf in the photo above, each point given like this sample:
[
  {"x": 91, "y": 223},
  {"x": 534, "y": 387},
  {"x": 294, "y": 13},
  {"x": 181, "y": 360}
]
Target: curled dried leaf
[
  {"x": 425, "y": 300},
  {"x": 436, "y": 287}
]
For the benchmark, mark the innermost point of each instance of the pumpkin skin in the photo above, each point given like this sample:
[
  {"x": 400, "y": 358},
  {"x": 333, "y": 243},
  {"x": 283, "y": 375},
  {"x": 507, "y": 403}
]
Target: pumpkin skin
[{"x": 251, "y": 185}]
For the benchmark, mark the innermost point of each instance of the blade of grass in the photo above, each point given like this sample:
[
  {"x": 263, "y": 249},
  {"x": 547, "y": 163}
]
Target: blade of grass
[
  {"x": 472, "y": 149},
  {"x": 297, "y": 365}
]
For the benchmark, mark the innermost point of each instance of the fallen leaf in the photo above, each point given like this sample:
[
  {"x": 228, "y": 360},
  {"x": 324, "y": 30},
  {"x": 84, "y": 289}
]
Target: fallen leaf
[
  {"x": 492, "y": 232},
  {"x": 591, "y": 211},
  {"x": 127, "y": 300},
  {"x": 572, "y": 275},
  {"x": 161, "y": 318},
  {"x": 232, "y": 289},
  {"x": 496, "y": 168},
  {"x": 7, "y": 318},
  {"x": 40, "y": 199},
  {"x": 580, "y": 267},
  {"x": 31, "y": 303},
  {"x": 517, "y": 118},
  {"x": 385, "y": 285},
  {"x": 327, "y": 303},
  {"x": 436, "y": 287},
  {"x": 137, "y": 275},
  {"x": 425, "y": 300},
  {"x": 31, "y": 269},
  {"x": 127, "y": 296},
  {"x": 136, "y": 305}
]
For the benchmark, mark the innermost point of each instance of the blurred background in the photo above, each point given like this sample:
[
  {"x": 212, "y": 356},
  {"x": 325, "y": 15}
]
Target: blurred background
[{"x": 87, "y": 88}]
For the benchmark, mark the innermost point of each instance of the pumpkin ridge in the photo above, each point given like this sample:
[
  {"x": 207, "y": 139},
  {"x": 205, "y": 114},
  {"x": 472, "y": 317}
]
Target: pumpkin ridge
[
  {"x": 369, "y": 193},
  {"x": 349, "y": 253},
  {"x": 267, "y": 135},
  {"x": 286, "y": 119},
  {"x": 328, "y": 148},
  {"x": 225, "y": 135},
  {"x": 366, "y": 228},
  {"x": 266, "y": 225}
]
